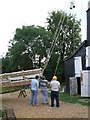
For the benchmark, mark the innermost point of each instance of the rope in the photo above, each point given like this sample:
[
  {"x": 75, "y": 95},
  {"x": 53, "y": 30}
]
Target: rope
[
  {"x": 73, "y": 25},
  {"x": 73, "y": 6},
  {"x": 56, "y": 32},
  {"x": 54, "y": 41}
]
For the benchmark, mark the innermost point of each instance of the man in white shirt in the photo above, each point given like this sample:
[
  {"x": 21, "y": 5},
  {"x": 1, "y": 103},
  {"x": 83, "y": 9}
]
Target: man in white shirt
[{"x": 54, "y": 85}]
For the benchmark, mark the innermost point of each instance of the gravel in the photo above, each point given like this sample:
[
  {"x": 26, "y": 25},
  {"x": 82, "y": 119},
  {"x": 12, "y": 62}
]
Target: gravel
[{"x": 22, "y": 108}]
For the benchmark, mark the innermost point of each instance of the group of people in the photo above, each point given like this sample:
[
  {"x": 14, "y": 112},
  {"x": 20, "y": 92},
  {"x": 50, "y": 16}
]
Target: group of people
[{"x": 42, "y": 84}]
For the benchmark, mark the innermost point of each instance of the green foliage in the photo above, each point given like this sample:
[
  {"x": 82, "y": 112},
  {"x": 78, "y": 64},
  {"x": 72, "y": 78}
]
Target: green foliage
[
  {"x": 67, "y": 38},
  {"x": 2, "y": 114},
  {"x": 31, "y": 44},
  {"x": 68, "y": 29},
  {"x": 60, "y": 72},
  {"x": 65, "y": 97},
  {"x": 50, "y": 69},
  {"x": 13, "y": 89}
]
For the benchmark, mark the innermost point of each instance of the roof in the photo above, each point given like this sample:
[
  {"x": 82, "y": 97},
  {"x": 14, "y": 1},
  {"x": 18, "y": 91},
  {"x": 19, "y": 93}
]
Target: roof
[
  {"x": 82, "y": 44},
  {"x": 88, "y": 9}
]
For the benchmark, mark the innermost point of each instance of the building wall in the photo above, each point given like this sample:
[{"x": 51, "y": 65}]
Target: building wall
[
  {"x": 69, "y": 71},
  {"x": 69, "y": 65}
]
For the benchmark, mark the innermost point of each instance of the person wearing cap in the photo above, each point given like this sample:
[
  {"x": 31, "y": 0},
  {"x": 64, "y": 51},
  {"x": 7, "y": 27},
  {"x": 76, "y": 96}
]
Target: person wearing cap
[
  {"x": 54, "y": 85},
  {"x": 43, "y": 87}
]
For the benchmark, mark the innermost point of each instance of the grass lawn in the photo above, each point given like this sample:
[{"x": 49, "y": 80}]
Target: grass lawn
[
  {"x": 65, "y": 97},
  {"x": 6, "y": 90},
  {"x": 2, "y": 113}
]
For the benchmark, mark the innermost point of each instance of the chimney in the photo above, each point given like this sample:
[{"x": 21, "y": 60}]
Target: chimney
[{"x": 88, "y": 24}]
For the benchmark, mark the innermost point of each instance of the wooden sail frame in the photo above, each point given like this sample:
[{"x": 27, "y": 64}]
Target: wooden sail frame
[
  {"x": 20, "y": 73},
  {"x": 6, "y": 83}
]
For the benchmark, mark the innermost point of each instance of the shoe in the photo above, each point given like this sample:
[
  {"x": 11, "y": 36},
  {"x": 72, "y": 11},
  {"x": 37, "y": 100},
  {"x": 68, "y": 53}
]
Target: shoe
[
  {"x": 43, "y": 104},
  {"x": 47, "y": 103},
  {"x": 57, "y": 106},
  {"x": 51, "y": 107},
  {"x": 35, "y": 104},
  {"x": 31, "y": 105}
]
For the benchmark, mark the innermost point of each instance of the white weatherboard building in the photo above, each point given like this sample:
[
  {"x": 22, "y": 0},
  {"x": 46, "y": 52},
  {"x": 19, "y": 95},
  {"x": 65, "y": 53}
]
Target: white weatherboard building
[
  {"x": 79, "y": 63},
  {"x": 85, "y": 83}
]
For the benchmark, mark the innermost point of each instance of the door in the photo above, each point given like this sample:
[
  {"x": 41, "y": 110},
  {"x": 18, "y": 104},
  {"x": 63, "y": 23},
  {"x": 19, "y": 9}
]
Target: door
[{"x": 78, "y": 66}]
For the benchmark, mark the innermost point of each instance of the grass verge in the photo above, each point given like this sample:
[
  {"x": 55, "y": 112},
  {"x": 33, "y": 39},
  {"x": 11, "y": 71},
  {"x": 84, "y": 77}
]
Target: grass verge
[
  {"x": 77, "y": 99},
  {"x": 7, "y": 90}
]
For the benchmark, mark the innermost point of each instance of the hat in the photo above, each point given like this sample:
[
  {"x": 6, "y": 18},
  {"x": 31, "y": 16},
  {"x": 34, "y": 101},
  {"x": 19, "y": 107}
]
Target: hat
[{"x": 54, "y": 77}]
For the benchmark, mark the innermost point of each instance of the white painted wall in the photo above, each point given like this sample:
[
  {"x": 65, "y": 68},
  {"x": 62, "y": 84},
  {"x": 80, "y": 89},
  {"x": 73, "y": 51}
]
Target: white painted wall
[
  {"x": 85, "y": 90},
  {"x": 88, "y": 56},
  {"x": 85, "y": 84},
  {"x": 86, "y": 77},
  {"x": 78, "y": 66}
]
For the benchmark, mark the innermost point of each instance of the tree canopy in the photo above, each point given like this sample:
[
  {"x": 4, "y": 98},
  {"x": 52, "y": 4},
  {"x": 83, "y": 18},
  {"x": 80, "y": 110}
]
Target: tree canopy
[
  {"x": 28, "y": 47},
  {"x": 68, "y": 31},
  {"x": 31, "y": 45}
]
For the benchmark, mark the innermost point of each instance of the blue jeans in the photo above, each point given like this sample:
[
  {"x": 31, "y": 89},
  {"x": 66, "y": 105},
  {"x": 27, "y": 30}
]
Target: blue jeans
[
  {"x": 33, "y": 99},
  {"x": 44, "y": 96},
  {"x": 55, "y": 95}
]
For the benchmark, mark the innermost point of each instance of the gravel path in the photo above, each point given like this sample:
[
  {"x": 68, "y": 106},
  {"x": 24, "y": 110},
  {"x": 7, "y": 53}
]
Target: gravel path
[{"x": 23, "y": 110}]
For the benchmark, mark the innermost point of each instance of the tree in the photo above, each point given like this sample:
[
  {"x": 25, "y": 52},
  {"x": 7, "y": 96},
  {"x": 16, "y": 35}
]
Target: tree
[
  {"x": 32, "y": 44},
  {"x": 28, "y": 47},
  {"x": 66, "y": 30},
  {"x": 6, "y": 64}
]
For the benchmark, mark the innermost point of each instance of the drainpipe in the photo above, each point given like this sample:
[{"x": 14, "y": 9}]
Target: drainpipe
[{"x": 88, "y": 24}]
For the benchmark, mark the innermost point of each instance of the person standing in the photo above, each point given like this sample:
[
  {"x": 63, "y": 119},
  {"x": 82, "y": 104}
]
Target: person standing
[
  {"x": 43, "y": 87},
  {"x": 54, "y": 85},
  {"x": 34, "y": 91}
]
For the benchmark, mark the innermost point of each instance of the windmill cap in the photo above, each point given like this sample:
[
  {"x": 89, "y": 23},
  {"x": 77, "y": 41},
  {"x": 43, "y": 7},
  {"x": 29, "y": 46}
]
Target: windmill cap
[{"x": 54, "y": 77}]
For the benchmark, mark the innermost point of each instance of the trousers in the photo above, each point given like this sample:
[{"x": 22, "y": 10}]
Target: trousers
[
  {"x": 55, "y": 95},
  {"x": 33, "y": 98},
  {"x": 44, "y": 96}
]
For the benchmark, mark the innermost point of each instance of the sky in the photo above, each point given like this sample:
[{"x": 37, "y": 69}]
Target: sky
[{"x": 16, "y": 13}]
